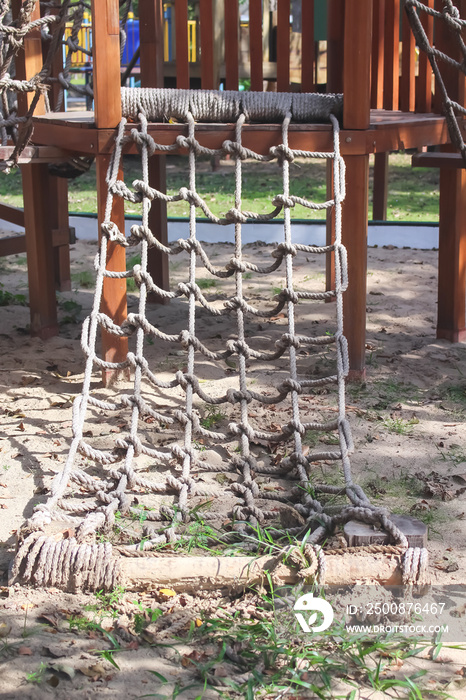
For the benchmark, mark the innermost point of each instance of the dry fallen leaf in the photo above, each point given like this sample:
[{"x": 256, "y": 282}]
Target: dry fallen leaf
[{"x": 24, "y": 651}]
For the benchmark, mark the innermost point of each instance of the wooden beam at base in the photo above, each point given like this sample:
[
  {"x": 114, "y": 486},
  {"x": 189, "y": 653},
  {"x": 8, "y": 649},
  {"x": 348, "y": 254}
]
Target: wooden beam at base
[{"x": 211, "y": 573}]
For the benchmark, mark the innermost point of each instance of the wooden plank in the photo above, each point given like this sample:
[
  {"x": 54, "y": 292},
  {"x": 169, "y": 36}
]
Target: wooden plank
[
  {"x": 207, "y": 45},
  {"x": 151, "y": 30},
  {"x": 13, "y": 215},
  {"x": 190, "y": 574},
  {"x": 283, "y": 45},
  {"x": 181, "y": 39},
  {"x": 37, "y": 210},
  {"x": 335, "y": 43},
  {"x": 36, "y": 154},
  {"x": 255, "y": 45},
  {"x": 378, "y": 44},
  {"x": 354, "y": 221},
  {"x": 380, "y": 187},
  {"x": 437, "y": 160},
  {"x": 357, "y": 64},
  {"x": 392, "y": 55},
  {"x": 451, "y": 323},
  {"x": 12, "y": 245},
  {"x": 408, "y": 66},
  {"x": 231, "y": 44},
  {"x": 359, "y": 534},
  {"x": 307, "y": 46},
  {"x": 424, "y": 79}
]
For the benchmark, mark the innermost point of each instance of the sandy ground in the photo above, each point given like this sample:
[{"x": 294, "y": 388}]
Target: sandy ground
[{"x": 407, "y": 421}]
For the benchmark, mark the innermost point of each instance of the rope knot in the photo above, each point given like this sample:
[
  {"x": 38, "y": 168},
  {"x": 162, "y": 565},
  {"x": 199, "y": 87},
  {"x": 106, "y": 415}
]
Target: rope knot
[
  {"x": 281, "y": 200},
  {"x": 284, "y": 249},
  {"x": 235, "y": 149},
  {"x": 241, "y": 429},
  {"x": 288, "y": 341},
  {"x": 235, "y": 396},
  {"x": 239, "y": 347},
  {"x": 288, "y": 294},
  {"x": 282, "y": 153},
  {"x": 294, "y": 426},
  {"x": 236, "y": 264},
  {"x": 111, "y": 231},
  {"x": 142, "y": 140},
  {"x": 291, "y": 385},
  {"x": 236, "y": 216}
]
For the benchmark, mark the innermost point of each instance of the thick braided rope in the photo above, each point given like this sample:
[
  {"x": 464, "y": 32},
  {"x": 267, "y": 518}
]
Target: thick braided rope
[
  {"x": 451, "y": 16},
  {"x": 114, "y": 492}
]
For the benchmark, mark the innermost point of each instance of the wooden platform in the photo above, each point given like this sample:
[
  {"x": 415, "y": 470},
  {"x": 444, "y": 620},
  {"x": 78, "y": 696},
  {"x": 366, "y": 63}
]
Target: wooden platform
[{"x": 388, "y": 131}]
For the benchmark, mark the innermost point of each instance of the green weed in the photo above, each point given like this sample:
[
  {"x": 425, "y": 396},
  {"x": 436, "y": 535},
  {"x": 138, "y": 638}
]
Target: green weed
[
  {"x": 206, "y": 283},
  {"x": 37, "y": 677},
  {"x": 72, "y": 309},
  {"x": 84, "y": 279},
  {"x": 399, "y": 425},
  {"x": 212, "y": 418},
  {"x": 9, "y": 299}
]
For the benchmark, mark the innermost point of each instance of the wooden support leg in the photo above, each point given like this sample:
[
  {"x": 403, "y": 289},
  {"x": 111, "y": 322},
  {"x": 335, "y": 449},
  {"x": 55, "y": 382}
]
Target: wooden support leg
[
  {"x": 60, "y": 227},
  {"x": 43, "y": 307},
  {"x": 380, "y": 187},
  {"x": 452, "y": 256},
  {"x": 355, "y": 240},
  {"x": 158, "y": 261},
  {"x": 114, "y": 348}
]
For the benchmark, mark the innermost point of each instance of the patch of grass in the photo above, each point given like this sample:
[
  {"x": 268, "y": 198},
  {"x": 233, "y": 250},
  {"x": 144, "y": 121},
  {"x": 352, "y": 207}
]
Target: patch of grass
[
  {"x": 455, "y": 454},
  {"x": 413, "y": 193},
  {"x": 72, "y": 310},
  {"x": 400, "y": 425},
  {"x": 212, "y": 418},
  {"x": 206, "y": 283},
  {"x": 37, "y": 677},
  {"x": 84, "y": 279},
  {"x": 386, "y": 393},
  {"x": 9, "y": 299}
]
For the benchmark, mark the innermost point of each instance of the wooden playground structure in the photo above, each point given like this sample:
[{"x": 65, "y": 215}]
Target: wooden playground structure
[{"x": 389, "y": 105}]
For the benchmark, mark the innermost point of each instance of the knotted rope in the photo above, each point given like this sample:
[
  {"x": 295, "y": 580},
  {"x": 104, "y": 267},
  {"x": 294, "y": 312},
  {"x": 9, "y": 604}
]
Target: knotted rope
[{"x": 177, "y": 473}]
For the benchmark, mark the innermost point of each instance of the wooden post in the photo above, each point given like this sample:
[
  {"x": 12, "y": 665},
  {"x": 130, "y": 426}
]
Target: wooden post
[
  {"x": 452, "y": 213},
  {"x": 391, "y": 87},
  {"x": 181, "y": 38},
  {"x": 451, "y": 323},
  {"x": 424, "y": 79},
  {"x": 307, "y": 46},
  {"x": 335, "y": 43},
  {"x": 380, "y": 187},
  {"x": 231, "y": 44},
  {"x": 107, "y": 105},
  {"x": 283, "y": 46},
  {"x": 37, "y": 221},
  {"x": 255, "y": 45},
  {"x": 378, "y": 45},
  {"x": 151, "y": 45},
  {"x": 356, "y": 115}
]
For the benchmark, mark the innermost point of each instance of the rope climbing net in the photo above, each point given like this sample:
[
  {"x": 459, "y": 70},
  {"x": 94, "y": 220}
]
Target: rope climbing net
[
  {"x": 50, "y": 28},
  {"x": 451, "y": 16},
  {"x": 161, "y": 472}
]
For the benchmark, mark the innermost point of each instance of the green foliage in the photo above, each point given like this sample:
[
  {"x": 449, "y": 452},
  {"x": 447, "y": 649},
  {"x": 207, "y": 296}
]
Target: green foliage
[
  {"x": 212, "y": 418},
  {"x": 9, "y": 299},
  {"x": 206, "y": 283}
]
